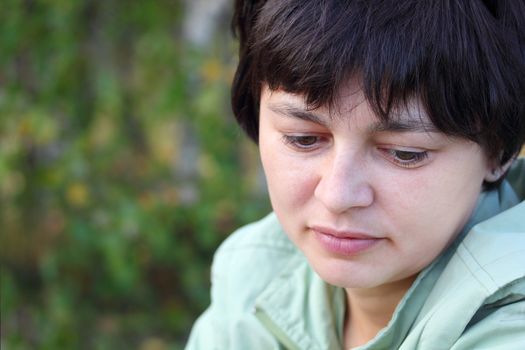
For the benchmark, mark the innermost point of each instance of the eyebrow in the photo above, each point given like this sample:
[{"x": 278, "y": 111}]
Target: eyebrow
[
  {"x": 288, "y": 110},
  {"x": 404, "y": 125},
  {"x": 397, "y": 125}
]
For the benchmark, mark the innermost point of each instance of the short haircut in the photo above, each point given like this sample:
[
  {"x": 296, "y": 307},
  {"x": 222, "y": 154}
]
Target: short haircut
[{"x": 463, "y": 59}]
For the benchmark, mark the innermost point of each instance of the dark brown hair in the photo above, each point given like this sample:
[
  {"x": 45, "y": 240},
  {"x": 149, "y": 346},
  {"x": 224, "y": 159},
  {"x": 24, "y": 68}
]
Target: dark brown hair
[{"x": 463, "y": 59}]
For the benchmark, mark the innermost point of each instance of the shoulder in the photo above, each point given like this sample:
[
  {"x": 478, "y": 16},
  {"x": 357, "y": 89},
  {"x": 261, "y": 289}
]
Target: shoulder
[
  {"x": 262, "y": 245},
  {"x": 501, "y": 327},
  {"x": 265, "y": 234},
  {"x": 243, "y": 266},
  {"x": 247, "y": 261}
]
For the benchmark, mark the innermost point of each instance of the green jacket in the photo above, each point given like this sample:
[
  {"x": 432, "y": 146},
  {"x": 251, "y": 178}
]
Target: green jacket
[{"x": 265, "y": 296}]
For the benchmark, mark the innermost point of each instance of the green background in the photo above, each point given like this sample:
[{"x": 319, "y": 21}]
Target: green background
[{"x": 121, "y": 169}]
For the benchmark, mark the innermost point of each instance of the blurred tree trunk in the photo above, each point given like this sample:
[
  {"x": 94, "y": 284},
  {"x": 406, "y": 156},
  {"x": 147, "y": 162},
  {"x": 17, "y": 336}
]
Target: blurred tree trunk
[{"x": 202, "y": 19}]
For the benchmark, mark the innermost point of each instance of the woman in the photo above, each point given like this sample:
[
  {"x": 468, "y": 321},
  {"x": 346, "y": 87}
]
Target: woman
[{"x": 388, "y": 132}]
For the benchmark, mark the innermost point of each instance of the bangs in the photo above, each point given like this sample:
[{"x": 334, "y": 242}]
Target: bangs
[{"x": 453, "y": 56}]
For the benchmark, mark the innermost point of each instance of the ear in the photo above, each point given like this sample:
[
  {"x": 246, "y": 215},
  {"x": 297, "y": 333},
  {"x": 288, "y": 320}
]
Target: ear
[{"x": 495, "y": 172}]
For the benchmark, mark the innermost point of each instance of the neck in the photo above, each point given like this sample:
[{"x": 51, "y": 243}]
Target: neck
[{"x": 369, "y": 310}]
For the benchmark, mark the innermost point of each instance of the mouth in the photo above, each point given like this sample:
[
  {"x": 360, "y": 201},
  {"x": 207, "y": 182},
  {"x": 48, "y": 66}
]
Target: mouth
[{"x": 344, "y": 242}]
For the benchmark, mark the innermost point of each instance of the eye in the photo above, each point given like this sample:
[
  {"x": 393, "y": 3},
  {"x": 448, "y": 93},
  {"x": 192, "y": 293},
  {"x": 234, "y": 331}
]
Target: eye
[
  {"x": 302, "y": 142},
  {"x": 407, "y": 159}
]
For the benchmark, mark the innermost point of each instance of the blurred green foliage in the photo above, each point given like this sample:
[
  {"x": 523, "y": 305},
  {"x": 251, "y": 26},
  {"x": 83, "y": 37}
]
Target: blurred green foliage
[{"x": 121, "y": 170}]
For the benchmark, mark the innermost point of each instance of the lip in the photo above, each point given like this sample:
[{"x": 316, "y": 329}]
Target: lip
[{"x": 344, "y": 242}]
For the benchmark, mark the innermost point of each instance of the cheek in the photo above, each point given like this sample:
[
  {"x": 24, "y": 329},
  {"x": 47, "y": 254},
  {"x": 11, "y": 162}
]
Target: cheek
[
  {"x": 428, "y": 211},
  {"x": 291, "y": 178},
  {"x": 290, "y": 189},
  {"x": 290, "y": 183}
]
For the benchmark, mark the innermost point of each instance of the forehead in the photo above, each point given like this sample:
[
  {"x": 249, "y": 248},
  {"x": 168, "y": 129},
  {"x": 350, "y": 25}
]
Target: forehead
[{"x": 350, "y": 102}]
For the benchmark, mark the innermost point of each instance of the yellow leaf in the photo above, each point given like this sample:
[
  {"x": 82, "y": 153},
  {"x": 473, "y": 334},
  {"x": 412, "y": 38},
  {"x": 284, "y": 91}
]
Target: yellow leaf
[
  {"x": 153, "y": 343},
  {"x": 77, "y": 194},
  {"x": 211, "y": 70}
]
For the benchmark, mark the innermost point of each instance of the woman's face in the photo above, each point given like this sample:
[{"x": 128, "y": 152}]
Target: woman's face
[{"x": 367, "y": 203}]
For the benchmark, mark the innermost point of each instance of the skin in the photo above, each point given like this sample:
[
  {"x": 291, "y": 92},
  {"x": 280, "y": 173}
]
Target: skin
[{"x": 396, "y": 195}]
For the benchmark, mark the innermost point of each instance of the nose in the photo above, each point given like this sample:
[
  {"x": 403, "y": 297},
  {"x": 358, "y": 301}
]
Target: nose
[{"x": 344, "y": 184}]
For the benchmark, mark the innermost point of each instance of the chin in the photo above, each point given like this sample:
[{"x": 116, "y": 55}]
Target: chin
[{"x": 337, "y": 272}]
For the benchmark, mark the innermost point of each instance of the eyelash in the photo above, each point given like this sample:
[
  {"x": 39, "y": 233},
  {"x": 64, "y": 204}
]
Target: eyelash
[
  {"x": 416, "y": 157},
  {"x": 295, "y": 141}
]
